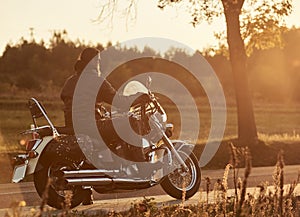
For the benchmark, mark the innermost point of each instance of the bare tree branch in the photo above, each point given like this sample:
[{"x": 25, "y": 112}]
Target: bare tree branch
[{"x": 112, "y": 9}]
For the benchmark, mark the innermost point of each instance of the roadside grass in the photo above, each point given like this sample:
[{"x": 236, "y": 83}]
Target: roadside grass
[
  {"x": 278, "y": 201},
  {"x": 275, "y": 123},
  {"x": 284, "y": 137}
]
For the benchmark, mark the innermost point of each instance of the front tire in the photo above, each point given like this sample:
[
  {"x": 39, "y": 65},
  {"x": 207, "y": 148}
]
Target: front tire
[{"x": 179, "y": 184}]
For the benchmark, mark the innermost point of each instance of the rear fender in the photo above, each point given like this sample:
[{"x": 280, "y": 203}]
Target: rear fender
[
  {"x": 64, "y": 148},
  {"x": 32, "y": 162}
]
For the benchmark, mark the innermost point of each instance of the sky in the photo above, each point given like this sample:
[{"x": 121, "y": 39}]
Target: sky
[{"x": 78, "y": 17}]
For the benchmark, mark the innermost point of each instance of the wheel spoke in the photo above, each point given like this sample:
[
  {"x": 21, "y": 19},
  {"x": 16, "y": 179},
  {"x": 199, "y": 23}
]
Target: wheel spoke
[
  {"x": 180, "y": 183},
  {"x": 184, "y": 179}
]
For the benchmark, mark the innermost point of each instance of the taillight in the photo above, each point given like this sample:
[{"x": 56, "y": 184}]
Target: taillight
[
  {"x": 31, "y": 147},
  {"x": 30, "y": 139},
  {"x": 32, "y": 154}
]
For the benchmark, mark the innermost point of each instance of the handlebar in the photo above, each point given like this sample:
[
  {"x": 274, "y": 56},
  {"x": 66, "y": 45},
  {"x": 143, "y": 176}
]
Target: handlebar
[{"x": 137, "y": 110}]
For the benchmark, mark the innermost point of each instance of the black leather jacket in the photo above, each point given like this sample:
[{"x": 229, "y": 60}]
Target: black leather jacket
[{"x": 105, "y": 94}]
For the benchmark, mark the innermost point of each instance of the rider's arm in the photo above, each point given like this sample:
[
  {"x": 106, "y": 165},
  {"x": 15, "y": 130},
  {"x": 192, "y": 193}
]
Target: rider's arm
[{"x": 107, "y": 94}]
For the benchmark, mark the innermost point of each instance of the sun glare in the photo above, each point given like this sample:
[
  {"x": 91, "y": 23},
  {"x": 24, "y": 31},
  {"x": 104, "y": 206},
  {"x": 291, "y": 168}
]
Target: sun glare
[{"x": 77, "y": 18}]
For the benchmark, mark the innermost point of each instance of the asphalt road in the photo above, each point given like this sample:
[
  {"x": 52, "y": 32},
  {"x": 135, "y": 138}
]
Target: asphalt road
[{"x": 14, "y": 193}]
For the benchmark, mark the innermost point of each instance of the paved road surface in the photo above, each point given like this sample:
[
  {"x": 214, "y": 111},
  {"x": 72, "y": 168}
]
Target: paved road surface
[{"x": 10, "y": 193}]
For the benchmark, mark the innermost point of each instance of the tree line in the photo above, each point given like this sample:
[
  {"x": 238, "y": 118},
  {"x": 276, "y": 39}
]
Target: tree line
[{"x": 274, "y": 74}]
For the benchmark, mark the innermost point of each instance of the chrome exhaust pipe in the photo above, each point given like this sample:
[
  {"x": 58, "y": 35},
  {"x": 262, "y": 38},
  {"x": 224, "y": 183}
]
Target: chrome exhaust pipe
[
  {"x": 88, "y": 173},
  {"x": 103, "y": 181},
  {"x": 89, "y": 181}
]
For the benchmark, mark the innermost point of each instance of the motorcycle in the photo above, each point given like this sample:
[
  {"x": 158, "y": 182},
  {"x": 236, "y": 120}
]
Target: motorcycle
[{"x": 62, "y": 168}]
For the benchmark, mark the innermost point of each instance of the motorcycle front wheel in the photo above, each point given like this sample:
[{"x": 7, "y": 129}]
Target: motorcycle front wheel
[
  {"x": 182, "y": 184},
  {"x": 52, "y": 188}
]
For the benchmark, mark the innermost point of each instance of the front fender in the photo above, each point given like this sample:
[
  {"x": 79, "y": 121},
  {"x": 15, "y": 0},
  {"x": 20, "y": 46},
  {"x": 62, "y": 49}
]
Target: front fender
[{"x": 183, "y": 146}]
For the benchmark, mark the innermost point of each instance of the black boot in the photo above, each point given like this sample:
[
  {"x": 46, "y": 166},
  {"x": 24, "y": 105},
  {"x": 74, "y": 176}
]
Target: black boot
[{"x": 88, "y": 197}]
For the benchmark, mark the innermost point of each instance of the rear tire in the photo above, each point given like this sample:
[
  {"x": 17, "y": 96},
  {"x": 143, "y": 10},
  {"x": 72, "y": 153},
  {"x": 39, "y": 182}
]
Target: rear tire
[
  {"x": 178, "y": 183},
  {"x": 52, "y": 188}
]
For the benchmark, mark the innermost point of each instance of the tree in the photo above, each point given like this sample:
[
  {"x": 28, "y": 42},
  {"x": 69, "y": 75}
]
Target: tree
[
  {"x": 249, "y": 22},
  {"x": 252, "y": 21},
  {"x": 247, "y": 131}
]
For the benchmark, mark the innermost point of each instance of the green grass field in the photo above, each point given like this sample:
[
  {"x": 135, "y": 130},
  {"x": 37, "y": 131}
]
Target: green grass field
[
  {"x": 15, "y": 118},
  {"x": 274, "y": 122}
]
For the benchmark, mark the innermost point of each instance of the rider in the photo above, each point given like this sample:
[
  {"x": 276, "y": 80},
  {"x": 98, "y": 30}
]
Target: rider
[
  {"x": 85, "y": 58},
  {"x": 87, "y": 61}
]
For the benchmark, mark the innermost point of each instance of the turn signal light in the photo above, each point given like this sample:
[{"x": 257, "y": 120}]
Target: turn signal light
[{"x": 32, "y": 154}]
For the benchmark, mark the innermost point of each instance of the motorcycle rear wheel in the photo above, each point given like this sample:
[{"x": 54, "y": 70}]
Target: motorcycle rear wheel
[
  {"x": 179, "y": 184},
  {"x": 51, "y": 188}
]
